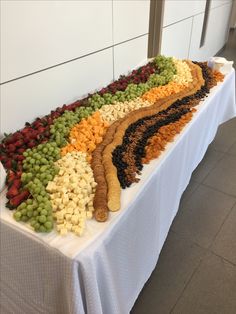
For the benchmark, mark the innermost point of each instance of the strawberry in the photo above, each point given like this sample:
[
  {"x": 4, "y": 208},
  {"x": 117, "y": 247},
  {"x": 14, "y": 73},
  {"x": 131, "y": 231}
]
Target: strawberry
[
  {"x": 20, "y": 150},
  {"x": 16, "y": 183},
  {"x": 11, "y": 175},
  {"x": 19, "y": 157},
  {"x": 9, "y": 140},
  {"x": 19, "y": 143},
  {"x": 8, "y": 164},
  {"x": 27, "y": 139},
  {"x": 64, "y": 107},
  {"x": 59, "y": 109},
  {"x": 47, "y": 133},
  {"x": 77, "y": 103},
  {"x": 34, "y": 134},
  {"x": 11, "y": 148},
  {"x": 19, "y": 171},
  {"x": 41, "y": 129},
  {"x": 26, "y": 130},
  {"x": 50, "y": 120},
  {"x": 73, "y": 106},
  {"x": 37, "y": 123},
  {"x": 31, "y": 144},
  {"x": 16, "y": 200},
  {"x": 44, "y": 141},
  {"x": 13, "y": 191},
  {"x": 54, "y": 115},
  {"x": 3, "y": 157}
]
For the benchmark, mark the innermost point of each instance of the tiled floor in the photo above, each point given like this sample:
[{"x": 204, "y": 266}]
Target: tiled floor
[{"x": 196, "y": 271}]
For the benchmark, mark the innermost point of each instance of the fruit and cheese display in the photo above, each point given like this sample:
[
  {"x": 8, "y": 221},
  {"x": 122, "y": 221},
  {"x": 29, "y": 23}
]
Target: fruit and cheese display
[{"x": 72, "y": 164}]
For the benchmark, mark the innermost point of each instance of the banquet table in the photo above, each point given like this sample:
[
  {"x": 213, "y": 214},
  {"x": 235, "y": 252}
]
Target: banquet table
[{"x": 103, "y": 271}]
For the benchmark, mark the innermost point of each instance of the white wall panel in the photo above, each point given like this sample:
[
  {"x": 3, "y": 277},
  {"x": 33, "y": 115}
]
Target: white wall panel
[
  {"x": 130, "y": 19},
  {"x": 216, "y": 34},
  {"x": 129, "y": 55},
  {"x": 176, "y": 39},
  {"x": 25, "y": 99},
  {"x": 233, "y": 16},
  {"x": 217, "y": 3},
  {"x": 175, "y": 11},
  {"x": 195, "y": 51},
  {"x": 39, "y": 34}
]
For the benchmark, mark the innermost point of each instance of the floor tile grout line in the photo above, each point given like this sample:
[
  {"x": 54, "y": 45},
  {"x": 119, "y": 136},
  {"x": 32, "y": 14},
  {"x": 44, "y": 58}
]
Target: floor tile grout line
[
  {"x": 186, "y": 238},
  {"x": 218, "y": 190},
  {"x": 226, "y": 217},
  {"x": 231, "y": 154},
  {"x": 194, "y": 272},
  {"x": 214, "y": 167},
  {"x": 187, "y": 283},
  {"x": 218, "y": 150},
  {"x": 187, "y": 196},
  {"x": 223, "y": 155},
  {"x": 227, "y": 152},
  {"x": 225, "y": 259},
  {"x": 210, "y": 187},
  {"x": 222, "y": 151},
  {"x": 191, "y": 241},
  {"x": 208, "y": 249}
]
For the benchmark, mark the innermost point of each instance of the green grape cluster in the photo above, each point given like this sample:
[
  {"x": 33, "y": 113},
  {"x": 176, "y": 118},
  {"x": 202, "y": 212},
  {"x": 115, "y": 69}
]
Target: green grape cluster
[
  {"x": 60, "y": 129},
  {"x": 96, "y": 101},
  {"x": 41, "y": 155},
  {"x": 165, "y": 64},
  {"x": 166, "y": 71},
  {"x": 132, "y": 91},
  {"x": 39, "y": 169},
  {"x": 36, "y": 211}
]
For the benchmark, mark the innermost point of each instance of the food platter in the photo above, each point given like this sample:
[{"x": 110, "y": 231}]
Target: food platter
[{"x": 72, "y": 165}]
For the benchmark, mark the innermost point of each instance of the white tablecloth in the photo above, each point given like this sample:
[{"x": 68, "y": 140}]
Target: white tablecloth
[{"x": 104, "y": 271}]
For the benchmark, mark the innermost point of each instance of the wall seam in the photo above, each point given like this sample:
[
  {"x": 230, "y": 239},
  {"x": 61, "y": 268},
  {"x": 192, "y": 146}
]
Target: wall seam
[
  {"x": 222, "y": 5},
  {"x": 190, "y": 37},
  {"x": 74, "y": 59},
  {"x": 113, "y": 50},
  {"x": 186, "y": 18}
]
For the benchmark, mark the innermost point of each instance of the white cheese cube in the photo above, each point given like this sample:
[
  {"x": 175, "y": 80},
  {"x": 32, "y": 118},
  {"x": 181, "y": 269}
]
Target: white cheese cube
[
  {"x": 68, "y": 217},
  {"x": 68, "y": 226},
  {"x": 63, "y": 231},
  {"x": 89, "y": 215},
  {"x": 79, "y": 231},
  {"x": 74, "y": 219}
]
